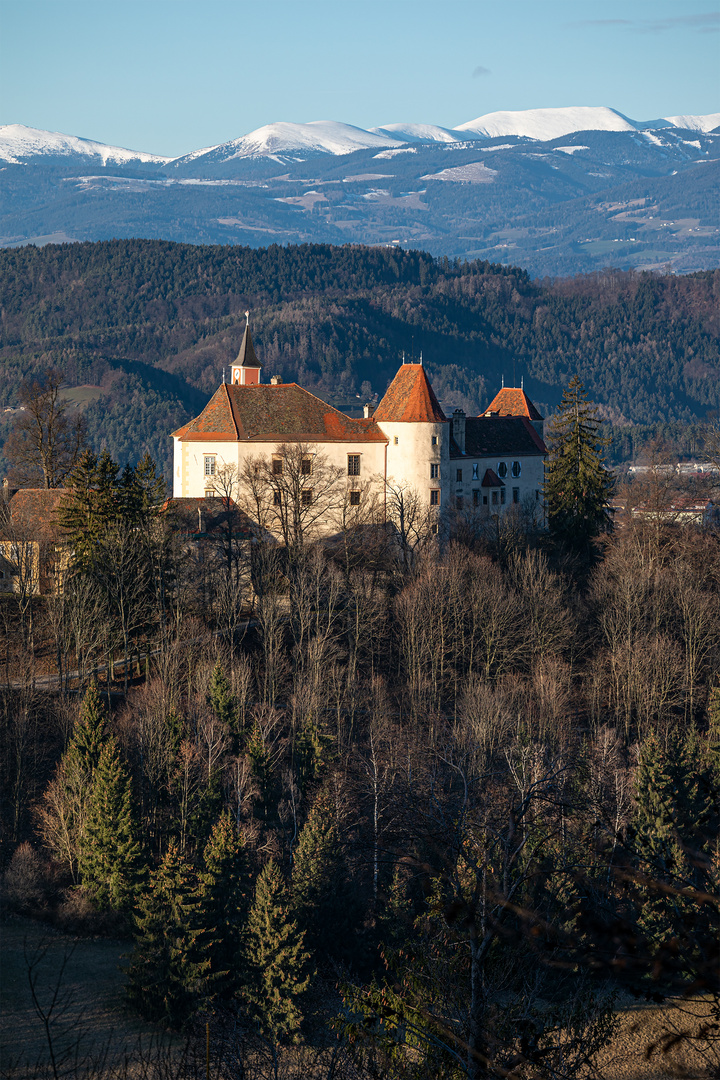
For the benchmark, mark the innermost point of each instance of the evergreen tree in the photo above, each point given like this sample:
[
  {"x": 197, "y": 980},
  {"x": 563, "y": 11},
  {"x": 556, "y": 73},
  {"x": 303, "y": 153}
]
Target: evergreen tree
[
  {"x": 63, "y": 810},
  {"x": 170, "y": 966},
  {"x": 275, "y": 959},
  {"x": 222, "y": 700},
  {"x": 90, "y": 733},
  {"x": 578, "y": 487},
  {"x": 322, "y": 898},
  {"x": 675, "y": 822},
  {"x": 225, "y": 900},
  {"x": 110, "y": 860}
]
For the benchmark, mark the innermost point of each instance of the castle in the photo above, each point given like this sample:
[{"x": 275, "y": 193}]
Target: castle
[{"x": 489, "y": 462}]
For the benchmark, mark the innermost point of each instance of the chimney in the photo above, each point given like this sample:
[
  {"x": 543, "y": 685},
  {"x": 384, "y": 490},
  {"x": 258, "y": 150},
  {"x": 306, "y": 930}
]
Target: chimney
[
  {"x": 366, "y": 410},
  {"x": 458, "y": 429},
  {"x": 275, "y": 380}
]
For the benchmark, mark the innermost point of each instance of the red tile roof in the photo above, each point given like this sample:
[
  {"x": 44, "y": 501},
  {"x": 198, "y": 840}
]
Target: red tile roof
[
  {"x": 410, "y": 398},
  {"x": 512, "y": 402},
  {"x": 33, "y": 513},
  {"x": 281, "y": 413}
]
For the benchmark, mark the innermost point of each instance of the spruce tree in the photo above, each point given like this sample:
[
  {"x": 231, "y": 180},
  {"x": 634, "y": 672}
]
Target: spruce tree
[
  {"x": 577, "y": 487},
  {"x": 110, "y": 859},
  {"x": 170, "y": 966},
  {"x": 320, "y": 885},
  {"x": 90, "y": 732},
  {"x": 276, "y": 961},
  {"x": 225, "y": 901},
  {"x": 222, "y": 700}
]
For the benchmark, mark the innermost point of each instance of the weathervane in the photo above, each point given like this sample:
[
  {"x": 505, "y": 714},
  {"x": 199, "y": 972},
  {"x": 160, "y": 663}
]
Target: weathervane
[{"x": 247, "y": 316}]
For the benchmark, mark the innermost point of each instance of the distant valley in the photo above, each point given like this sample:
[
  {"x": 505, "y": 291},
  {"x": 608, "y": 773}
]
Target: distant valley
[{"x": 556, "y": 191}]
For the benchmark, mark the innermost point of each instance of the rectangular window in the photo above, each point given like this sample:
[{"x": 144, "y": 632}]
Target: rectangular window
[
  {"x": 306, "y": 497},
  {"x": 502, "y": 496},
  {"x": 209, "y": 493},
  {"x": 476, "y": 497},
  {"x": 433, "y": 440},
  {"x": 209, "y": 464},
  {"x": 435, "y": 497},
  {"x": 277, "y": 500},
  {"x": 475, "y": 472},
  {"x": 354, "y": 498},
  {"x": 494, "y": 497},
  {"x": 516, "y": 495},
  {"x": 458, "y": 475},
  {"x": 537, "y": 496},
  {"x": 484, "y": 500},
  {"x": 459, "y": 502},
  {"x": 353, "y": 464},
  {"x": 277, "y": 466},
  {"x": 434, "y": 472},
  {"x": 306, "y": 466}
]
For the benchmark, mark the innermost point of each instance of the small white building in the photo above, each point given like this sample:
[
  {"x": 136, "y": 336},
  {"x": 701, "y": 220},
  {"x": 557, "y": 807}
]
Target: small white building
[{"x": 490, "y": 462}]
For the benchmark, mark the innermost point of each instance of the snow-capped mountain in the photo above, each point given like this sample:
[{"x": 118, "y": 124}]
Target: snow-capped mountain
[
  {"x": 696, "y": 123},
  {"x": 554, "y": 190},
  {"x": 19, "y": 144},
  {"x": 316, "y": 137},
  {"x": 546, "y": 124},
  {"x": 419, "y": 133}
]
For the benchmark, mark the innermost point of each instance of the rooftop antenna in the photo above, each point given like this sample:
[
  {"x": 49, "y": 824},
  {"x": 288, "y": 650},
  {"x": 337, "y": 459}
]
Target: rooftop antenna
[
  {"x": 421, "y": 358},
  {"x": 522, "y": 382},
  {"x": 502, "y": 382},
  {"x": 403, "y": 356}
]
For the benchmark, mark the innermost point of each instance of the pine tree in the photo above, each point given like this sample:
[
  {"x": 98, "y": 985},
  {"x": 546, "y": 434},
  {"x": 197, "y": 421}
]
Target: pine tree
[
  {"x": 170, "y": 968},
  {"x": 63, "y": 810},
  {"x": 275, "y": 959},
  {"x": 225, "y": 901},
  {"x": 222, "y": 700},
  {"x": 90, "y": 732},
  {"x": 110, "y": 859},
  {"x": 321, "y": 895},
  {"x": 578, "y": 487}
]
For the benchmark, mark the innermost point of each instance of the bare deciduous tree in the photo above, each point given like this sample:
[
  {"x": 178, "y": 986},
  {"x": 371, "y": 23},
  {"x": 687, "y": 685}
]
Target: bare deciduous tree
[{"x": 45, "y": 442}]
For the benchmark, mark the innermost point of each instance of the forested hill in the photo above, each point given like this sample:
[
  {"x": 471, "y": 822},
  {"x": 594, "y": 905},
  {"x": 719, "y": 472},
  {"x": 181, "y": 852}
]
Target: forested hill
[{"x": 145, "y": 328}]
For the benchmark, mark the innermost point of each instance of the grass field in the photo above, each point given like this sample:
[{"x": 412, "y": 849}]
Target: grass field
[{"x": 89, "y": 1015}]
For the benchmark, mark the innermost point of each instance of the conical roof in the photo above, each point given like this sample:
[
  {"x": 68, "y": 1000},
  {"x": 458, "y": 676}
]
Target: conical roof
[
  {"x": 246, "y": 357},
  {"x": 512, "y": 401},
  {"x": 410, "y": 398}
]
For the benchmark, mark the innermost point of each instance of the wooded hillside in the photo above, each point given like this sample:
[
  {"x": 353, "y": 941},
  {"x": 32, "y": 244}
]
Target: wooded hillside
[{"x": 151, "y": 325}]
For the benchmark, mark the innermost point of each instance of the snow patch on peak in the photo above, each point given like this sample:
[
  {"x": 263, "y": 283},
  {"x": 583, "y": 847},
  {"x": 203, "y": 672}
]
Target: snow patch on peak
[
  {"x": 696, "y": 123},
  {"x": 417, "y": 133},
  {"x": 546, "y": 124},
  {"x": 18, "y": 143},
  {"x": 318, "y": 136}
]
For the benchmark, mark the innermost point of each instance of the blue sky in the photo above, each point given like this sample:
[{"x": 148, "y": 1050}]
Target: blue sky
[{"x": 170, "y": 76}]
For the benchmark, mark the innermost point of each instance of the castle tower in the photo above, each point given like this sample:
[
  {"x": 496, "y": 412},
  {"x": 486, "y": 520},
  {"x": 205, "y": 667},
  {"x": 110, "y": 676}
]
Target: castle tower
[{"x": 245, "y": 370}]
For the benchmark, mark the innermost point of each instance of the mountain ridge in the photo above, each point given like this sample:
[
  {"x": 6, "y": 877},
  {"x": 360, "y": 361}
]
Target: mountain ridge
[{"x": 337, "y": 137}]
